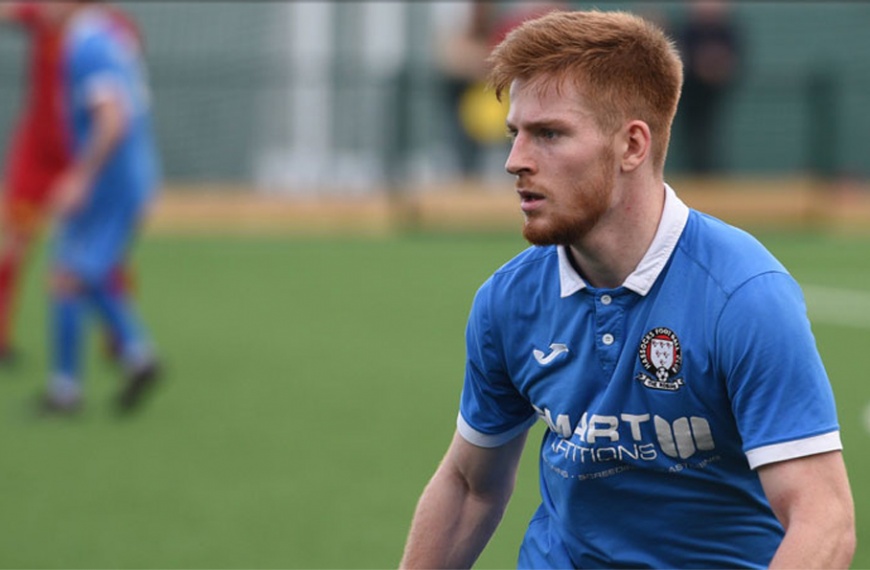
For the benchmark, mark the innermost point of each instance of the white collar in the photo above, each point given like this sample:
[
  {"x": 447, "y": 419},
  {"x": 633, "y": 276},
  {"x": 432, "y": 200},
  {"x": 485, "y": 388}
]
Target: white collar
[{"x": 675, "y": 214}]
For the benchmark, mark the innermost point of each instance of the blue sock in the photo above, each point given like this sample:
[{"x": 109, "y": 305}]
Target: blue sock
[
  {"x": 118, "y": 314},
  {"x": 67, "y": 332}
]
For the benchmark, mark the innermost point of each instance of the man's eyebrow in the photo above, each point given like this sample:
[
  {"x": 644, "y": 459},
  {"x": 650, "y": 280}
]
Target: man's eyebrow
[{"x": 553, "y": 123}]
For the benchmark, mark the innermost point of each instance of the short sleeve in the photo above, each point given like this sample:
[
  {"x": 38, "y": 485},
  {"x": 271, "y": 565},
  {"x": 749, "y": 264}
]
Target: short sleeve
[
  {"x": 96, "y": 71},
  {"x": 780, "y": 392},
  {"x": 492, "y": 411}
]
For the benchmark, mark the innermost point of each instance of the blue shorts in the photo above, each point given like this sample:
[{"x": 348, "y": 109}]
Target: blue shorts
[{"x": 90, "y": 245}]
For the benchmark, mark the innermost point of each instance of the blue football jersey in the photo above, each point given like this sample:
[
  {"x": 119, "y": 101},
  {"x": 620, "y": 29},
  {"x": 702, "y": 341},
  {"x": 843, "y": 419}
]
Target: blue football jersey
[
  {"x": 102, "y": 59},
  {"x": 660, "y": 397}
]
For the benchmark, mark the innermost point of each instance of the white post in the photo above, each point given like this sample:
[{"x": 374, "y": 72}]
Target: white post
[{"x": 301, "y": 161}]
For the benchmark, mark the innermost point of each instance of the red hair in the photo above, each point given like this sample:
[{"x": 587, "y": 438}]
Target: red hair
[{"x": 625, "y": 67}]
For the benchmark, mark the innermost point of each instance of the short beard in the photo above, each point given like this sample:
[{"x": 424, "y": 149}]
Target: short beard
[
  {"x": 570, "y": 226},
  {"x": 561, "y": 232}
]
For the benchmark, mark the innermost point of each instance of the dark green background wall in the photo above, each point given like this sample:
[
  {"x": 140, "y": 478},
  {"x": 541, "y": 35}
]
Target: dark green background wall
[{"x": 802, "y": 105}]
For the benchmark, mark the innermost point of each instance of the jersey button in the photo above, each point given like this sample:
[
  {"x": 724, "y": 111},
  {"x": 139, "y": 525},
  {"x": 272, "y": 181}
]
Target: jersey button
[
  {"x": 607, "y": 339},
  {"x": 606, "y": 299}
]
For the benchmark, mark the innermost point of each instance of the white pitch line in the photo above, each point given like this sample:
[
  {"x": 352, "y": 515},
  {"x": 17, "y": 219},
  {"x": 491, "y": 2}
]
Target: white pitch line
[
  {"x": 847, "y": 307},
  {"x": 831, "y": 305}
]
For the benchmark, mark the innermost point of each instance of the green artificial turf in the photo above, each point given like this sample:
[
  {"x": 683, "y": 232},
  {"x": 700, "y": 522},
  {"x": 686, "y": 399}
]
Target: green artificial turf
[{"x": 311, "y": 388}]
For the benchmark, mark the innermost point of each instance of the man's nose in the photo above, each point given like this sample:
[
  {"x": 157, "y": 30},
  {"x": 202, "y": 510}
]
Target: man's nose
[{"x": 518, "y": 160}]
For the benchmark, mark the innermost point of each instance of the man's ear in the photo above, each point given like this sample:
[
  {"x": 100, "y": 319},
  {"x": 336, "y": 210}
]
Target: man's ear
[{"x": 637, "y": 145}]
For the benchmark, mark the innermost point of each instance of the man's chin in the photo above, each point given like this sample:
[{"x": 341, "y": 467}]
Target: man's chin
[{"x": 536, "y": 235}]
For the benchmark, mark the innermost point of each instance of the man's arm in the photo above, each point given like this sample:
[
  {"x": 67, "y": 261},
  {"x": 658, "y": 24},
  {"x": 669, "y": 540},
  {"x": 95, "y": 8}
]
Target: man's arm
[
  {"x": 462, "y": 504},
  {"x": 812, "y": 499},
  {"x": 110, "y": 124}
]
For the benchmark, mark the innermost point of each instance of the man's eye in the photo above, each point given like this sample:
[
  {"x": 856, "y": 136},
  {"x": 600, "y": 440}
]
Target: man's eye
[{"x": 548, "y": 134}]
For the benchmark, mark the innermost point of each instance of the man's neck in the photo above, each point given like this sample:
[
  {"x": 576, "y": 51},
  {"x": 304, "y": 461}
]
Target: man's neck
[{"x": 615, "y": 247}]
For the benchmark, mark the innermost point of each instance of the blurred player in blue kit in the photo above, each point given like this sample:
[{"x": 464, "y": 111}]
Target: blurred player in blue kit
[
  {"x": 100, "y": 199},
  {"x": 690, "y": 419}
]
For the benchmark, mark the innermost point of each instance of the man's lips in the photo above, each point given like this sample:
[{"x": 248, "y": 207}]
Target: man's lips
[{"x": 530, "y": 200}]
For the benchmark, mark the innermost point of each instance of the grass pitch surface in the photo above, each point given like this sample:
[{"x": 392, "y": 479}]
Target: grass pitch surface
[{"x": 311, "y": 390}]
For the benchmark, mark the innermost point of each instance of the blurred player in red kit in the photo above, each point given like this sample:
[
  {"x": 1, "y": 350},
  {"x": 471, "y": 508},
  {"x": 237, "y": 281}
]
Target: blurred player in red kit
[{"x": 39, "y": 151}]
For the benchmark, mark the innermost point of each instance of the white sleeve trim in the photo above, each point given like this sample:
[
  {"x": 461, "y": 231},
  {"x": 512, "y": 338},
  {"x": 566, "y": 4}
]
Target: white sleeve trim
[
  {"x": 794, "y": 449},
  {"x": 480, "y": 439}
]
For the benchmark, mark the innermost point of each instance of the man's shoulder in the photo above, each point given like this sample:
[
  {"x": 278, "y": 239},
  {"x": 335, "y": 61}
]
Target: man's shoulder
[
  {"x": 729, "y": 255},
  {"x": 521, "y": 286},
  {"x": 531, "y": 261},
  {"x": 90, "y": 30},
  {"x": 528, "y": 269}
]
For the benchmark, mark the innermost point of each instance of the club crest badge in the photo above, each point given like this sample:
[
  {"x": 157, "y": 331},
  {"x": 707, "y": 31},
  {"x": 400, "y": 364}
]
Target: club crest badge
[{"x": 661, "y": 356}]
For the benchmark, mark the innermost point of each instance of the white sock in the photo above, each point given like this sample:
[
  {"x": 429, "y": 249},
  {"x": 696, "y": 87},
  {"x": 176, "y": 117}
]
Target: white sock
[
  {"x": 64, "y": 389},
  {"x": 138, "y": 357}
]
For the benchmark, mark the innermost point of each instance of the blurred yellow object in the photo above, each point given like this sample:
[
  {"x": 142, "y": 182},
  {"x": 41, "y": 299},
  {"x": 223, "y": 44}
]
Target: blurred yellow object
[{"x": 482, "y": 115}]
